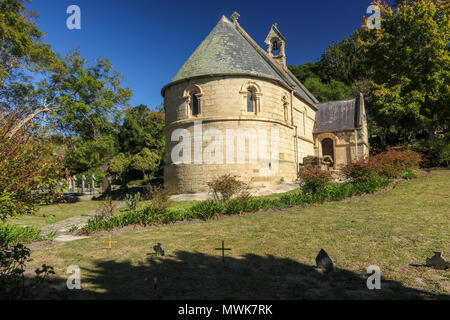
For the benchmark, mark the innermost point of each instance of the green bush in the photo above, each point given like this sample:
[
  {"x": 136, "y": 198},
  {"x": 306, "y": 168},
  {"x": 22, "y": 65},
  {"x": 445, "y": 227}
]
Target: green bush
[
  {"x": 435, "y": 153},
  {"x": 226, "y": 186},
  {"x": 207, "y": 209},
  {"x": 12, "y": 234},
  {"x": 313, "y": 180}
]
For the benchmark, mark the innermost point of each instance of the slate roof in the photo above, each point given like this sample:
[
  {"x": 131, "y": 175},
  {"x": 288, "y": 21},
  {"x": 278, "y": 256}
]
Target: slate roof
[
  {"x": 339, "y": 115},
  {"x": 229, "y": 50}
]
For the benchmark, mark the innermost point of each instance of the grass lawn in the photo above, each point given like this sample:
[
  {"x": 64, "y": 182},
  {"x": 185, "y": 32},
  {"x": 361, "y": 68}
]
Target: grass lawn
[
  {"x": 273, "y": 253},
  {"x": 57, "y": 212}
]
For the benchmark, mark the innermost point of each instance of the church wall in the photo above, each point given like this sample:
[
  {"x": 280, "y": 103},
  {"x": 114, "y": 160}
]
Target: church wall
[{"x": 223, "y": 106}]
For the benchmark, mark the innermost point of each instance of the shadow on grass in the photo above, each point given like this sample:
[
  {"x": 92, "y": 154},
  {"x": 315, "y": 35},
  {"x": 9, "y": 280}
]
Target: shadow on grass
[{"x": 187, "y": 275}]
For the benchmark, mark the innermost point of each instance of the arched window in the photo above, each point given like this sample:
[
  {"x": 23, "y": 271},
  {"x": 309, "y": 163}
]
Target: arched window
[
  {"x": 251, "y": 97},
  {"x": 195, "y": 109},
  {"x": 192, "y": 97},
  {"x": 251, "y": 105},
  {"x": 304, "y": 122},
  {"x": 285, "y": 108}
]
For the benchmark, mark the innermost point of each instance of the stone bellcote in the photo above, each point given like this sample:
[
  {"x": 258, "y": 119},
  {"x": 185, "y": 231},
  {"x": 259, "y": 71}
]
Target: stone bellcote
[{"x": 276, "y": 44}]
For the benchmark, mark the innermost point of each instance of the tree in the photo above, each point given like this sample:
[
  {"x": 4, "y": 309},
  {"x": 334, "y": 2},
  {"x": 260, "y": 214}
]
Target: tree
[
  {"x": 21, "y": 52},
  {"x": 145, "y": 161},
  {"x": 142, "y": 128},
  {"x": 409, "y": 58},
  {"x": 30, "y": 172},
  {"x": 85, "y": 155},
  {"x": 343, "y": 61},
  {"x": 118, "y": 166},
  {"x": 85, "y": 99}
]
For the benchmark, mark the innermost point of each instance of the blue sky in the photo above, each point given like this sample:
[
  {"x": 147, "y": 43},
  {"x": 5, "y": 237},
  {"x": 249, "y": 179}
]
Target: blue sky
[{"x": 148, "y": 41}]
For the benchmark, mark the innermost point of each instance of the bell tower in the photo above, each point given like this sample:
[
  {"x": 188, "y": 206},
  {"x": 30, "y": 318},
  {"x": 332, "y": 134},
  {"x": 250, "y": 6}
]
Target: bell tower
[{"x": 276, "y": 44}]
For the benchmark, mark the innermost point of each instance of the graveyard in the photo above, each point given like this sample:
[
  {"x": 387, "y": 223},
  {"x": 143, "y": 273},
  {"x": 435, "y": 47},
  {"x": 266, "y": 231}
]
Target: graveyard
[{"x": 272, "y": 253}]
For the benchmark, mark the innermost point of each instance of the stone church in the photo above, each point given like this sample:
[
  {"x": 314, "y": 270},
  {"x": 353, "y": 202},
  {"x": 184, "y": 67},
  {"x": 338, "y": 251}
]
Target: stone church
[{"x": 236, "y": 108}]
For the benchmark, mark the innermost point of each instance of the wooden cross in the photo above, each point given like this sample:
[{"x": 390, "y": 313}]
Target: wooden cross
[
  {"x": 109, "y": 242},
  {"x": 223, "y": 250}
]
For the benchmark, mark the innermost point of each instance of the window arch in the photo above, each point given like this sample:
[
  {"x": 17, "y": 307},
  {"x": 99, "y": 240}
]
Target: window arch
[
  {"x": 251, "y": 100},
  {"x": 304, "y": 122},
  {"x": 192, "y": 97},
  {"x": 285, "y": 102},
  {"x": 251, "y": 94}
]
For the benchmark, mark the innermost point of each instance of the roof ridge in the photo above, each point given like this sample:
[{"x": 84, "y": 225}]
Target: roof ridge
[{"x": 342, "y": 100}]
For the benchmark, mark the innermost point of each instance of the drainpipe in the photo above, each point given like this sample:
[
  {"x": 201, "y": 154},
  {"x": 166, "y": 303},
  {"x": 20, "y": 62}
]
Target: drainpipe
[
  {"x": 356, "y": 144},
  {"x": 296, "y": 132}
]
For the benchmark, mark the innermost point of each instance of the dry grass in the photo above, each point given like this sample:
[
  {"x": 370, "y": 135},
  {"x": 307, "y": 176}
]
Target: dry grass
[{"x": 273, "y": 253}]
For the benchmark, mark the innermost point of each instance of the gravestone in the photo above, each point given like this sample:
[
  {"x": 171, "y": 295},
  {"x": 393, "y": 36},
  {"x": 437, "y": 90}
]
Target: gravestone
[
  {"x": 324, "y": 261},
  {"x": 93, "y": 183},
  {"x": 437, "y": 261},
  {"x": 74, "y": 184},
  {"x": 69, "y": 184},
  {"x": 159, "y": 249}
]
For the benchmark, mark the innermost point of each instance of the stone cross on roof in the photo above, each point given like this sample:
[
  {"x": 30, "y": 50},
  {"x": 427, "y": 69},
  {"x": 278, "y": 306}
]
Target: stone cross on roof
[{"x": 235, "y": 16}]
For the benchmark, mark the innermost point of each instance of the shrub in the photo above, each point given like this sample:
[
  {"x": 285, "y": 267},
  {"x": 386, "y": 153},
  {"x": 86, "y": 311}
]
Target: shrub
[
  {"x": 409, "y": 175},
  {"x": 12, "y": 268},
  {"x": 206, "y": 209},
  {"x": 435, "y": 152},
  {"x": 393, "y": 163},
  {"x": 359, "y": 170},
  {"x": 12, "y": 234},
  {"x": 209, "y": 208},
  {"x": 158, "y": 198},
  {"x": 132, "y": 200},
  {"x": 225, "y": 187},
  {"x": 313, "y": 180}
]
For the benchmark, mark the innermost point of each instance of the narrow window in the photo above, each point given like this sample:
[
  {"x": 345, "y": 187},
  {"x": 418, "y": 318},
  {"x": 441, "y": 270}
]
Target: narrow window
[
  {"x": 304, "y": 123},
  {"x": 286, "y": 115},
  {"x": 250, "y": 101},
  {"x": 194, "y": 106}
]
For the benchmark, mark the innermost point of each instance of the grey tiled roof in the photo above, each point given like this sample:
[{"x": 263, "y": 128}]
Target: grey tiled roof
[
  {"x": 338, "y": 115},
  {"x": 226, "y": 51}
]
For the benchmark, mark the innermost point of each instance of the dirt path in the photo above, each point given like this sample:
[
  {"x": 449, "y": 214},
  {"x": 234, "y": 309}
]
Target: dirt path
[{"x": 80, "y": 221}]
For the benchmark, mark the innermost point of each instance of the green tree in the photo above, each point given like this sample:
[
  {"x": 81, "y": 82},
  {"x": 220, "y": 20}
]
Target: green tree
[
  {"x": 84, "y": 155},
  {"x": 21, "y": 48},
  {"x": 146, "y": 161},
  {"x": 409, "y": 59},
  {"x": 118, "y": 166},
  {"x": 142, "y": 128}
]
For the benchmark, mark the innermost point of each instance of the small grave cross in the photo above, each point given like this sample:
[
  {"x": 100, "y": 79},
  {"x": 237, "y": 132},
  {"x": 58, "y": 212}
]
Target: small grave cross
[
  {"x": 223, "y": 250},
  {"x": 109, "y": 242}
]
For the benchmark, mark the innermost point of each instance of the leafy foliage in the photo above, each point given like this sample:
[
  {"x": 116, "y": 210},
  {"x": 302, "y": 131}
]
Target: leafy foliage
[
  {"x": 12, "y": 279},
  {"x": 145, "y": 161},
  {"x": 225, "y": 187},
  {"x": 409, "y": 60},
  {"x": 209, "y": 209},
  {"x": 313, "y": 179},
  {"x": 390, "y": 164},
  {"x": 30, "y": 173}
]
